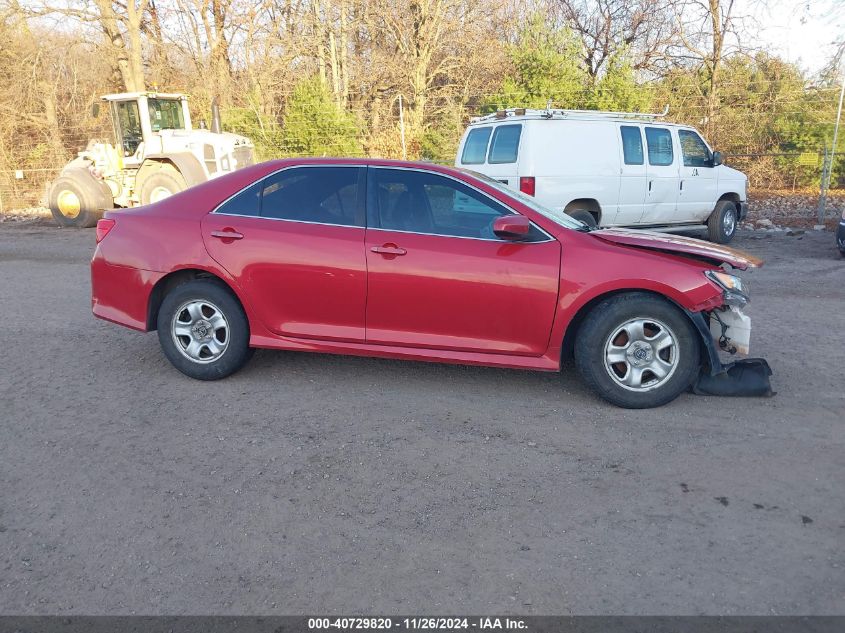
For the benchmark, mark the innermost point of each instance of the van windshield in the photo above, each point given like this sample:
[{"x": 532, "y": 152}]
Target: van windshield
[{"x": 555, "y": 216}]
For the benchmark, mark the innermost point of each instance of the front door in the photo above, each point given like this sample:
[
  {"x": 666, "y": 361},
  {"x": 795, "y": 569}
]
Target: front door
[
  {"x": 663, "y": 181},
  {"x": 294, "y": 242},
  {"x": 697, "y": 191},
  {"x": 440, "y": 278}
]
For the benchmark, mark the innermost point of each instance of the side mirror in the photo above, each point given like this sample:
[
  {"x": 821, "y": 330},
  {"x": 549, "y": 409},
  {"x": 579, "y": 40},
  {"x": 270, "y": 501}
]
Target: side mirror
[
  {"x": 511, "y": 227},
  {"x": 95, "y": 110},
  {"x": 717, "y": 159}
]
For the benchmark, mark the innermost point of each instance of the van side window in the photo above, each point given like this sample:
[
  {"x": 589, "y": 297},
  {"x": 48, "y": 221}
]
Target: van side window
[
  {"x": 505, "y": 144},
  {"x": 475, "y": 148},
  {"x": 695, "y": 151},
  {"x": 659, "y": 146},
  {"x": 632, "y": 145}
]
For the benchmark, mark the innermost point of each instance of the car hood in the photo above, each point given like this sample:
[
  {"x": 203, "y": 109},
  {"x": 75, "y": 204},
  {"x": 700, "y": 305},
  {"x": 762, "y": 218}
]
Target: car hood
[{"x": 681, "y": 245}]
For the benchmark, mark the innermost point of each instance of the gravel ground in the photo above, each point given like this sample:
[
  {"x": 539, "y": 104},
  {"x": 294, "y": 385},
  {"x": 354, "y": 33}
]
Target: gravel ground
[{"x": 311, "y": 483}]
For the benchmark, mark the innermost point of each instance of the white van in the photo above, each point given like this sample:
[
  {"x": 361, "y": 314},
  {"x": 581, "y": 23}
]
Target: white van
[{"x": 610, "y": 168}]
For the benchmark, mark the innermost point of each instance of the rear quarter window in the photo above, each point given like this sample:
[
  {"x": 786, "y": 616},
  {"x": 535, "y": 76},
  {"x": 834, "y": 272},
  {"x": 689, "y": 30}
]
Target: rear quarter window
[
  {"x": 505, "y": 144},
  {"x": 475, "y": 147}
]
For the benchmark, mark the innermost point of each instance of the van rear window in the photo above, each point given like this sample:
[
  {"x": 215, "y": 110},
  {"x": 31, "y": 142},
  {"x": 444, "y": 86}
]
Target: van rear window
[
  {"x": 475, "y": 148},
  {"x": 632, "y": 145},
  {"x": 505, "y": 143}
]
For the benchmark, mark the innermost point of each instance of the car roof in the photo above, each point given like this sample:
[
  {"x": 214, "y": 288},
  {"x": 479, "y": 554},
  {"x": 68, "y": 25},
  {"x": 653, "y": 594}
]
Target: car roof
[{"x": 280, "y": 163}]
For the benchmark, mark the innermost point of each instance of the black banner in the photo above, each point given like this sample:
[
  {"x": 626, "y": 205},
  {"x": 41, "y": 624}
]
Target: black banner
[{"x": 457, "y": 624}]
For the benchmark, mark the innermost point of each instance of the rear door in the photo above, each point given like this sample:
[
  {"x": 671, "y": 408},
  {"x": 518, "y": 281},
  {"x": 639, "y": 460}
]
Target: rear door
[
  {"x": 662, "y": 177},
  {"x": 633, "y": 183},
  {"x": 697, "y": 191},
  {"x": 440, "y": 278},
  {"x": 294, "y": 243}
]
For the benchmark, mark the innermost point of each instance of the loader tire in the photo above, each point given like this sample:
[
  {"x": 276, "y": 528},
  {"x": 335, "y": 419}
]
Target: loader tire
[
  {"x": 161, "y": 184},
  {"x": 78, "y": 199}
]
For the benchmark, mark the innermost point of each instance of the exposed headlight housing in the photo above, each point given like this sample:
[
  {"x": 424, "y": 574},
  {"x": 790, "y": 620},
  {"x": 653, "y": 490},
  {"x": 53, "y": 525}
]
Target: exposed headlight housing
[{"x": 735, "y": 292}]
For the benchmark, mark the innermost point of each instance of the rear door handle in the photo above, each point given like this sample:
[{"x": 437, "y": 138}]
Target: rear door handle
[
  {"x": 388, "y": 249},
  {"x": 227, "y": 234}
]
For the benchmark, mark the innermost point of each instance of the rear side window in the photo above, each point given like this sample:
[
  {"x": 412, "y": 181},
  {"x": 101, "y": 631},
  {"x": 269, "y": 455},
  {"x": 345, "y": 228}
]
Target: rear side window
[
  {"x": 505, "y": 144},
  {"x": 695, "y": 151},
  {"x": 327, "y": 195},
  {"x": 247, "y": 202},
  {"x": 659, "y": 146},
  {"x": 475, "y": 147},
  {"x": 632, "y": 145}
]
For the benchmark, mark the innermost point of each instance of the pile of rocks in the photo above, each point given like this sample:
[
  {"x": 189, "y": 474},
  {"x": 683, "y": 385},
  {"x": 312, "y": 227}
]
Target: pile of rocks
[
  {"x": 28, "y": 214},
  {"x": 766, "y": 225}
]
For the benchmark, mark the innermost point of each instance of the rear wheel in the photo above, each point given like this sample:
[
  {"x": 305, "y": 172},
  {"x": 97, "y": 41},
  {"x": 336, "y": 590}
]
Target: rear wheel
[
  {"x": 161, "y": 184},
  {"x": 77, "y": 199},
  {"x": 721, "y": 226},
  {"x": 203, "y": 330},
  {"x": 584, "y": 216},
  {"x": 637, "y": 351}
]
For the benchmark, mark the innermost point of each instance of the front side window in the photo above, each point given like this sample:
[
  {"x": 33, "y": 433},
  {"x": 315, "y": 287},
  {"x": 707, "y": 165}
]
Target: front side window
[
  {"x": 422, "y": 202},
  {"x": 695, "y": 150},
  {"x": 475, "y": 147},
  {"x": 659, "y": 146},
  {"x": 165, "y": 114},
  {"x": 505, "y": 144},
  {"x": 327, "y": 195},
  {"x": 632, "y": 145}
]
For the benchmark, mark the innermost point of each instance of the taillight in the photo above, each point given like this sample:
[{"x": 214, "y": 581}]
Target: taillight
[
  {"x": 103, "y": 227},
  {"x": 526, "y": 185}
]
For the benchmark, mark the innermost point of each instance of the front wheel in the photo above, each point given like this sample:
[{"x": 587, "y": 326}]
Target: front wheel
[
  {"x": 203, "y": 330},
  {"x": 721, "y": 226},
  {"x": 637, "y": 351},
  {"x": 77, "y": 199}
]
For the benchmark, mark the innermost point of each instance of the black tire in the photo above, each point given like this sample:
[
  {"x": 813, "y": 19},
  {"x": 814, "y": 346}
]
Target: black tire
[
  {"x": 606, "y": 320},
  {"x": 236, "y": 351},
  {"x": 78, "y": 199},
  {"x": 584, "y": 216},
  {"x": 722, "y": 223},
  {"x": 165, "y": 179}
]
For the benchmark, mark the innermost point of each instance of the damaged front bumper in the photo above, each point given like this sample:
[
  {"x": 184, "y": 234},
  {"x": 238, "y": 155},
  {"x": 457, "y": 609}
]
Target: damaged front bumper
[{"x": 729, "y": 329}]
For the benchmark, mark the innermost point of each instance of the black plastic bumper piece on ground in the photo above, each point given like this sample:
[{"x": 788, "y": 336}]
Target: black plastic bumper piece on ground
[{"x": 747, "y": 377}]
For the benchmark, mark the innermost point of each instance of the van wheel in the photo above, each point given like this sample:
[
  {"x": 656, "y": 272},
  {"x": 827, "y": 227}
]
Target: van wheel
[
  {"x": 721, "y": 226},
  {"x": 637, "y": 351},
  {"x": 584, "y": 216}
]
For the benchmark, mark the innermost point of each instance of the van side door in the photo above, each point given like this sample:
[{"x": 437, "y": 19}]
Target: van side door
[
  {"x": 697, "y": 189},
  {"x": 663, "y": 177},
  {"x": 633, "y": 180}
]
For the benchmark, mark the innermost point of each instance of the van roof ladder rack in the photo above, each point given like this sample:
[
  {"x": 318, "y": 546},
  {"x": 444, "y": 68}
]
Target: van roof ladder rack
[{"x": 551, "y": 113}]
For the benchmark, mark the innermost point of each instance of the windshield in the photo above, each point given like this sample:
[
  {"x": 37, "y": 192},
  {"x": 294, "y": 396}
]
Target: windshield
[
  {"x": 165, "y": 114},
  {"x": 558, "y": 217}
]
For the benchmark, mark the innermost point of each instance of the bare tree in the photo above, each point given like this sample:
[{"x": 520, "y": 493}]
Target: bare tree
[{"x": 642, "y": 30}]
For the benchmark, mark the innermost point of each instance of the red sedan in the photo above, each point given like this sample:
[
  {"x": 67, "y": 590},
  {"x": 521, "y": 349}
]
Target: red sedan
[{"x": 416, "y": 261}]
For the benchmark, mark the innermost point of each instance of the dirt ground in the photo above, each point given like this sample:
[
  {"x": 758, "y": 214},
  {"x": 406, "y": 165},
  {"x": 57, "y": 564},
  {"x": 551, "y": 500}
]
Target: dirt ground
[{"x": 313, "y": 484}]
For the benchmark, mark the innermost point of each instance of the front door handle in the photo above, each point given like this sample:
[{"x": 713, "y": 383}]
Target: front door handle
[
  {"x": 227, "y": 235},
  {"x": 388, "y": 249}
]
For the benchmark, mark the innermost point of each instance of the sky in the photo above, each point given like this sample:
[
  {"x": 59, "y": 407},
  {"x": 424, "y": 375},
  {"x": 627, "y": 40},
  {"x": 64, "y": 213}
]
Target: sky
[{"x": 801, "y": 31}]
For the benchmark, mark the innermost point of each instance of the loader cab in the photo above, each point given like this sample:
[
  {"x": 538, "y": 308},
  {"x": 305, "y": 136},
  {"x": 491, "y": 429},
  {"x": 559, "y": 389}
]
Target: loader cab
[{"x": 138, "y": 118}]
